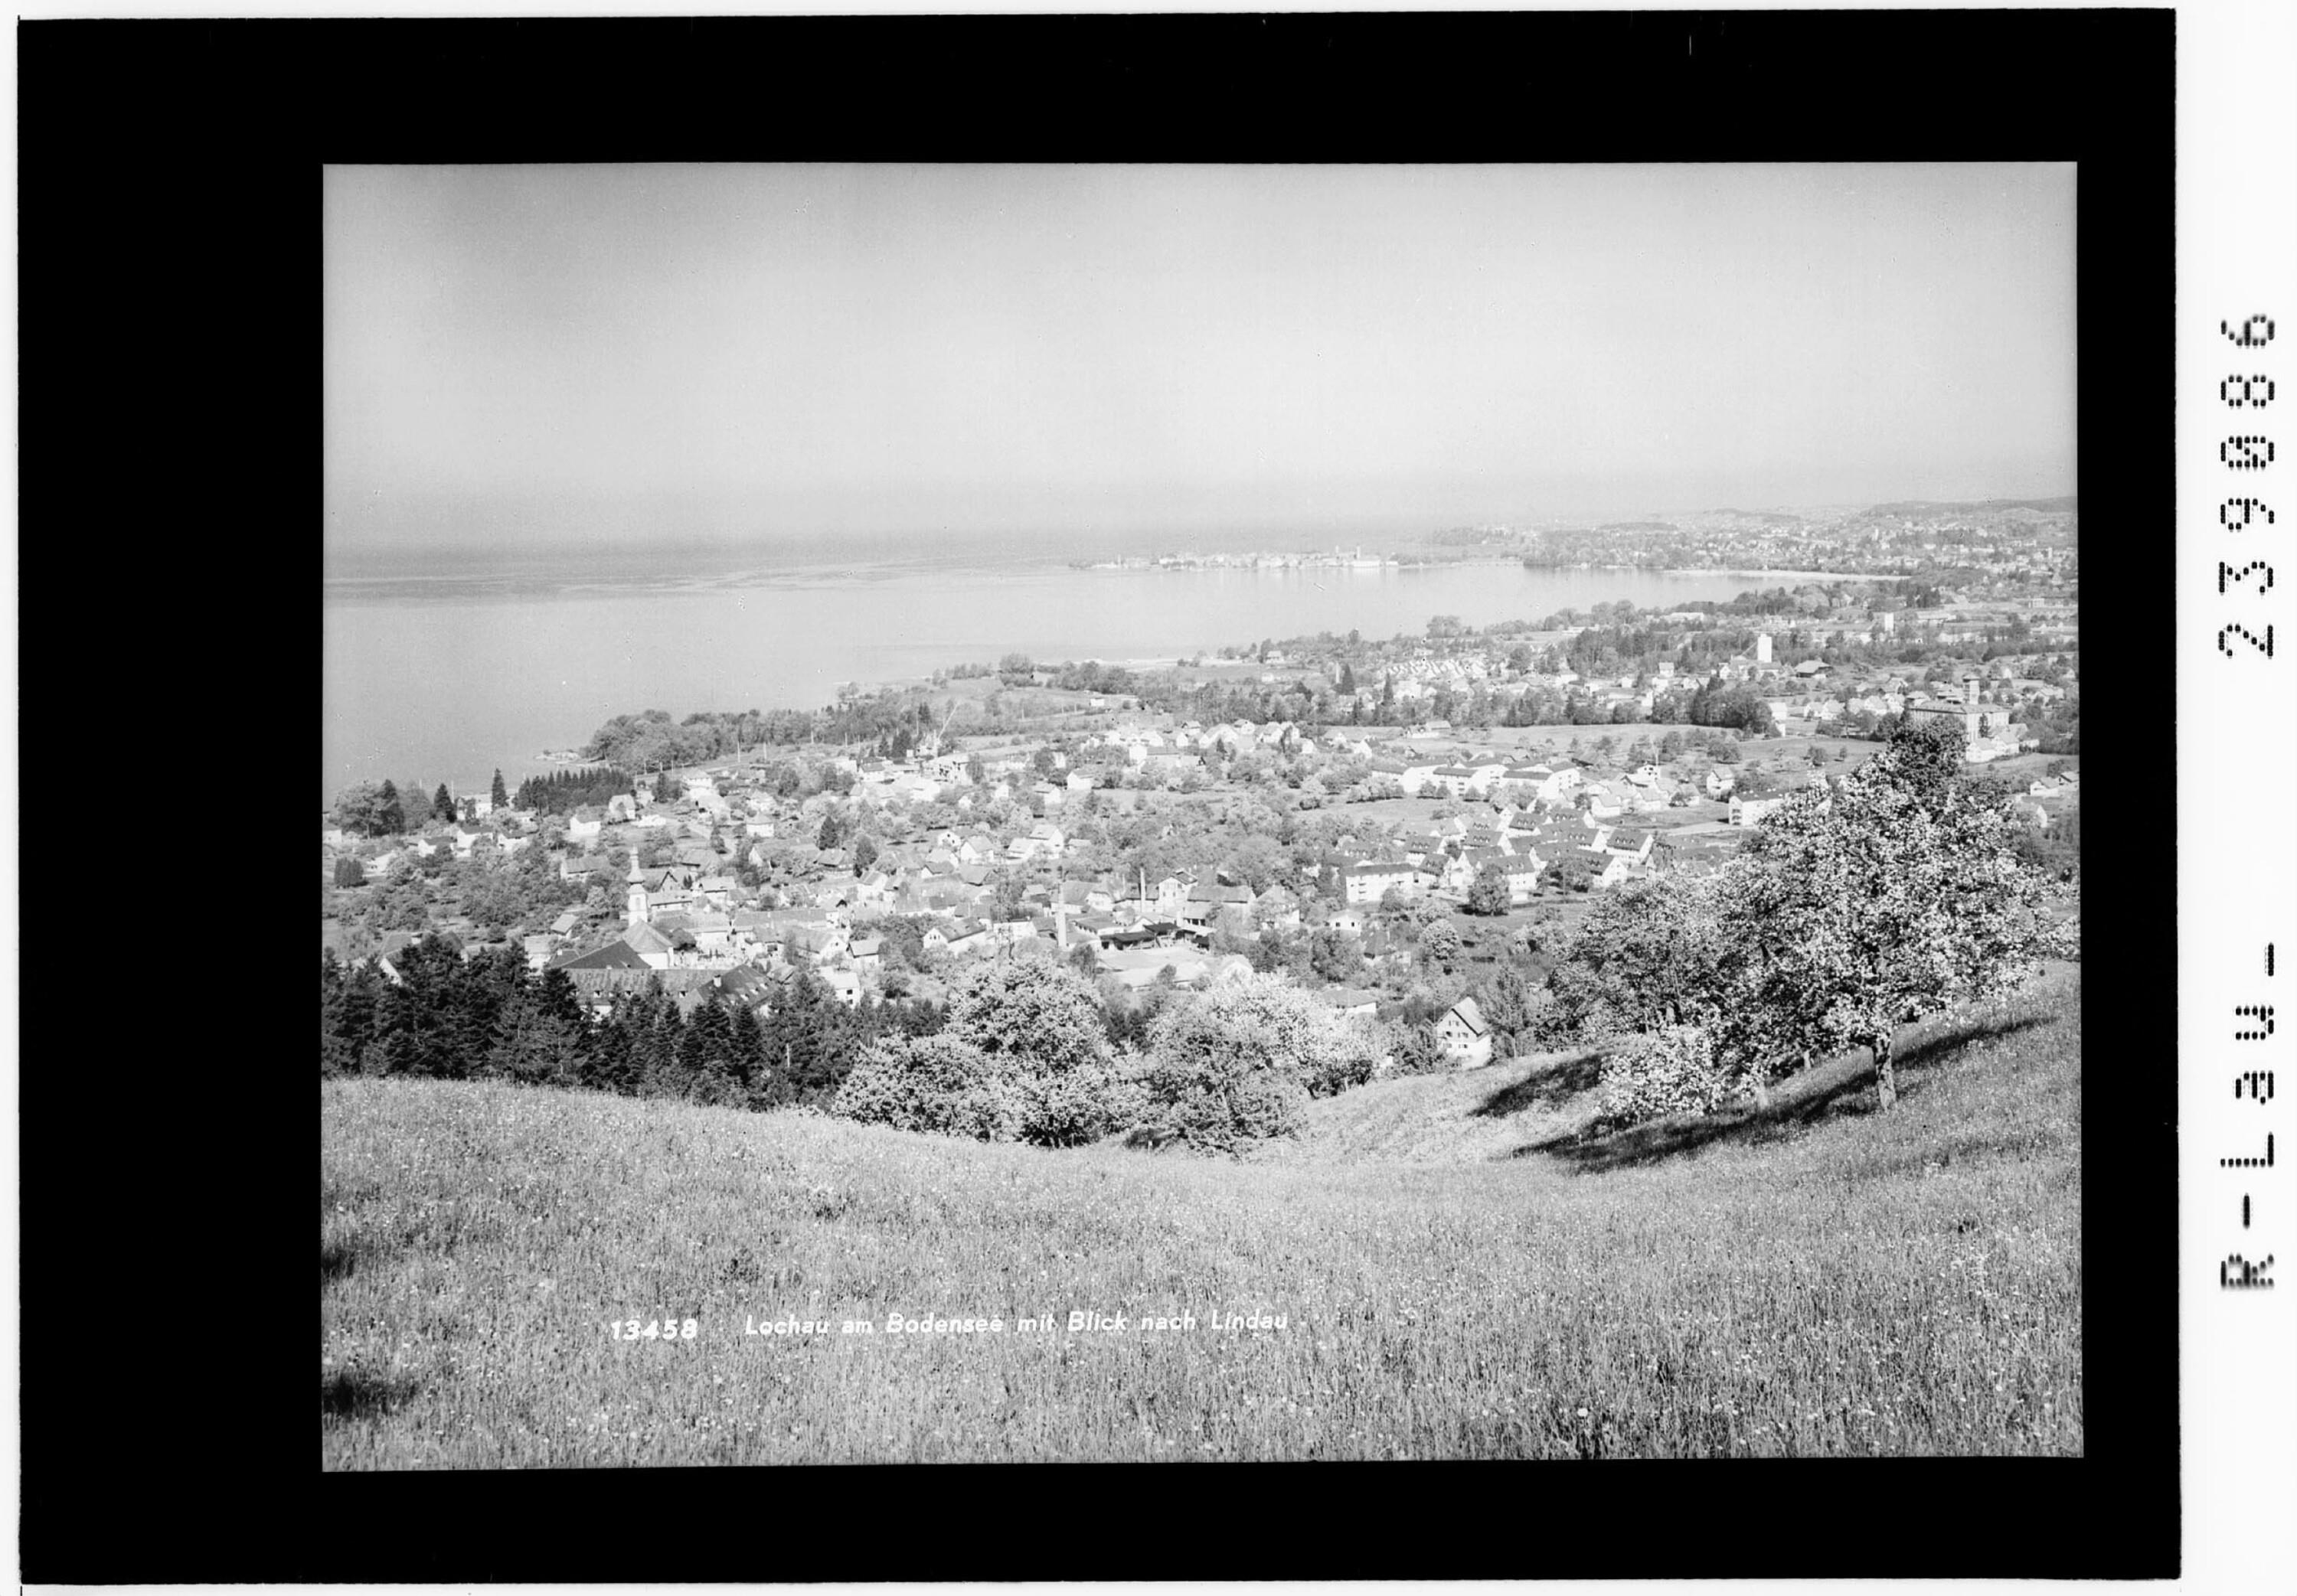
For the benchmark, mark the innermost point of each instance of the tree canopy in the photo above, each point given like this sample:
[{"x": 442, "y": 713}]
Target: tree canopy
[{"x": 1856, "y": 907}]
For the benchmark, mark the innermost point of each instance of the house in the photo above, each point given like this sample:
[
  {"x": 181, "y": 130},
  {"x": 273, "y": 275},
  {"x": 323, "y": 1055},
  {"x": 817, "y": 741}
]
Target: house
[
  {"x": 1619, "y": 868},
  {"x": 1352, "y": 1001},
  {"x": 1277, "y": 906},
  {"x": 585, "y": 823},
  {"x": 963, "y": 937},
  {"x": 1465, "y": 1034},
  {"x": 712, "y": 933},
  {"x": 1635, "y": 846},
  {"x": 1520, "y": 871},
  {"x": 538, "y": 950},
  {"x": 614, "y": 956},
  {"x": 583, "y": 866},
  {"x": 598, "y": 988},
  {"x": 1369, "y": 882},
  {"x": 1045, "y": 839},
  {"x": 1746, "y": 811},
  {"x": 1206, "y": 901},
  {"x": 649, "y": 944},
  {"x": 1085, "y": 897},
  {"x": 752, "y": 986}
]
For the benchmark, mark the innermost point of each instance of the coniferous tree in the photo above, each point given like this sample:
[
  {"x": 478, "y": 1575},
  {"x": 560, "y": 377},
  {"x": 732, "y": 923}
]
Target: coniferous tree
[
  {"x": 496, "y": 795},
  {"x": 706, "y": 1053},
  {"x": 389, "y": 819},
  {"x": 442, "y": 803},
  {"x": 483, "y": 989},
  {"x": 536, "y": 1037},
  {"x": 610, "y": 1056},
  {"x": 655, "y": 1033},
  {"x": 339, "y": 1051},
  {"x": 390, "y": 1053},
  {"x": 749, "y": 1048}
]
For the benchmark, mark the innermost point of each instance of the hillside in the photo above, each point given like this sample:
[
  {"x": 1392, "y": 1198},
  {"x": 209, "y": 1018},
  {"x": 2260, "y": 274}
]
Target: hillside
[
  {"x": 1456, "y": 1277},
  {"x": 1545, "y": 1103}
]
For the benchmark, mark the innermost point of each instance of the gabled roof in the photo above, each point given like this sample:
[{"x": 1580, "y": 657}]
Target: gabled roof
[
  {"x": 614, "y": 956},
  {"x": 1471, "y": 1016},
  {"x": 643, "y": 938}
]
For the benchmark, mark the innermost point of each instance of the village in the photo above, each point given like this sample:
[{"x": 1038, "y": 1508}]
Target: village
[{"x": 1324, "y": 848}]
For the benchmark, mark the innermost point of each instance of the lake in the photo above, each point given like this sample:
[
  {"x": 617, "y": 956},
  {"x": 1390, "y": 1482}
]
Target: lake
[{"x": 448, "y": 671}]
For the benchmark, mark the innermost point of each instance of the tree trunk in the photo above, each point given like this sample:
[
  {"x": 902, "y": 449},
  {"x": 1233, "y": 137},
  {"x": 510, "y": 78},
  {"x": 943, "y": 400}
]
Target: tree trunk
[{"x": 1886, "y": 1079}]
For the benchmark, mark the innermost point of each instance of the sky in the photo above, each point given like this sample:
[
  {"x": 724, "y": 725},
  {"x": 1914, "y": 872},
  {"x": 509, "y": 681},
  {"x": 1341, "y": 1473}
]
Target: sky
[{"x": 538, "y": 358}]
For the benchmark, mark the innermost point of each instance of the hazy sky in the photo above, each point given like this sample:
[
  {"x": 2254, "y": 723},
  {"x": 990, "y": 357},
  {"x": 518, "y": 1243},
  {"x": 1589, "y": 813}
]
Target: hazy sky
[{"x": 533, "y": 355}]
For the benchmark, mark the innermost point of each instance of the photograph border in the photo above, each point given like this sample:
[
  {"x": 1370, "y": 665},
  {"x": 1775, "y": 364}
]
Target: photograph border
[{"x": 169, "y": 191}]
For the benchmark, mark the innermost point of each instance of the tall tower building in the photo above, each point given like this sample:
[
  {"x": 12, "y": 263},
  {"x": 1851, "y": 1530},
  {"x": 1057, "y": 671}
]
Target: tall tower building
[{"x": 1762, "y": 648}]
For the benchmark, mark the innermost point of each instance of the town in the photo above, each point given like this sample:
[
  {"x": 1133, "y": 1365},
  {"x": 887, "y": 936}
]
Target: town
[{"x": 1385, "y": 823}]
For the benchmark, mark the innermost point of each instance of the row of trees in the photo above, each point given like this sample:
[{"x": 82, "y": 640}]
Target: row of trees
[
  {"x": 1853, "y": 909},
  {"x": 451, "y": 1018},
  {"x": 1023, "y": 1052},
  {"x": 374, "y": 808},
  {"x": 562, "y": 791}
]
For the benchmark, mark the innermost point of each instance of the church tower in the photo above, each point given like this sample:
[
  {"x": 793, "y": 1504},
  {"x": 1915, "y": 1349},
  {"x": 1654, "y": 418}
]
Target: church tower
[
  {"x": 637, "y": 894},
  {"x": 1971, "y": 716}
]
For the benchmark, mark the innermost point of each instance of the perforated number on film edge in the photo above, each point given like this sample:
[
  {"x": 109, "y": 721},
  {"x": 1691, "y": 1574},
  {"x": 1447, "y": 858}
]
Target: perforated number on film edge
[
  {"x": 2252, "y": 1022},
  {"x": 2246, "y": 451}
]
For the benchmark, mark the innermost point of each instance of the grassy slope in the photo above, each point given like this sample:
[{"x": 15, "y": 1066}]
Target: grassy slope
[{"x": 1814, "y": 1278}]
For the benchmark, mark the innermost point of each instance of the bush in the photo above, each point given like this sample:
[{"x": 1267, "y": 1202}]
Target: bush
[
  {"x": 1081, "y": 1105},
  {"x": 1417, "y": 1052},
  {"x": 936, "y": 1083},
  {"x": 1238, "y": 1063},
  {"x": 1668, "y": 1071},
  {"x": 1023, "y": 1056}
]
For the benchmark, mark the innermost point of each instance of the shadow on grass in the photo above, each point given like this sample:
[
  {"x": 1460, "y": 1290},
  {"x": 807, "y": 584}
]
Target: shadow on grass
[
  {"x": 336, "y": 1262},
  {"x": 362, "y": 1394},
  {"x": 1841, "y": 1087},
  {"x": 1567, "y": 1077}
]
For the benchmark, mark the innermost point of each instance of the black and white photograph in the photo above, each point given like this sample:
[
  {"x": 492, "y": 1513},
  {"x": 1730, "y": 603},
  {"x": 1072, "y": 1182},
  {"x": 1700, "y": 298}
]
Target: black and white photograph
[
  {"x": 1055, "y": 747},
  {"x": 1200, "y": 812}
]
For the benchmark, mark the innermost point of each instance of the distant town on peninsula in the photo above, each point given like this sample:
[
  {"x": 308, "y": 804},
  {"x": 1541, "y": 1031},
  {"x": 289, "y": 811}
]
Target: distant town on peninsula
[{"x": 1891, "y": 540}]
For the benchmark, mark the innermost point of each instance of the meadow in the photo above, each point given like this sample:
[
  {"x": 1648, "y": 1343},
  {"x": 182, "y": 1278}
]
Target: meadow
[{"x": 1462, "y": 1270}]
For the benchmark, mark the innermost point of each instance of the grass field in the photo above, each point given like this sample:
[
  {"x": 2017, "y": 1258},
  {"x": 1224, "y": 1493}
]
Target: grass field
[{"x": 1461, "y": 1271}]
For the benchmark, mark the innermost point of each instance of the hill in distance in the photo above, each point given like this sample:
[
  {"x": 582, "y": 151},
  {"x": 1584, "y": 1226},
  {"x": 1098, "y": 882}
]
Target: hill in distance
[{"x": 1928, "y": 506}]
